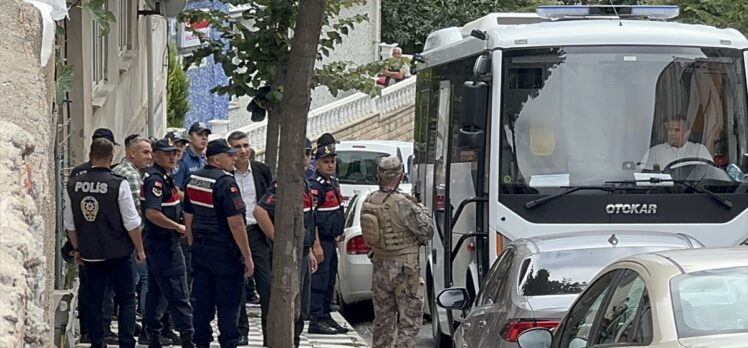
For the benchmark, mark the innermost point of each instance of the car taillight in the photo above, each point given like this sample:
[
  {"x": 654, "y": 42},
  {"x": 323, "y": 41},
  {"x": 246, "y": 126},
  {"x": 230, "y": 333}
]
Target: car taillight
[
  {"x": 356, "y": 245},
  {"x": 514, "y": 327}
]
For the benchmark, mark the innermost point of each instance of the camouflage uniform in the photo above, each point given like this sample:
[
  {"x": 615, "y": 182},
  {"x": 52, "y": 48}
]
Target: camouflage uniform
[{"x": 397, "y": 286}]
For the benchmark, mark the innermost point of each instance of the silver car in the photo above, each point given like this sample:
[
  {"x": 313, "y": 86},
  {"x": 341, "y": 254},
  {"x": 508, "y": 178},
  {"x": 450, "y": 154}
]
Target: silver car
[{"x": 535, "y": 281}]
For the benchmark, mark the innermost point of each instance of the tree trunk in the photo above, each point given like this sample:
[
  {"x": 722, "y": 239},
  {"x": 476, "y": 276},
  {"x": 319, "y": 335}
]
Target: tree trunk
[
  {"x": 271, "y": 143},
  {"x": 289, "y": 225}
]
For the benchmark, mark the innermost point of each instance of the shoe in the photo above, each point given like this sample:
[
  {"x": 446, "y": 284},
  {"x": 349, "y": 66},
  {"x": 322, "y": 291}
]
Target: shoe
[
  {"x": 321, "y": 327},
  {"x": 175, "y": 339},
  {"x": 84, "y": 338},
  {"x": 244, "y": 341},
  {"x": 185, "y": 340},
  {"x": 335, "y": 325},
  {"x": 145, "y": 340},
  {"x": 253, "y": 298},
  {"x": 111, "y": 339}
]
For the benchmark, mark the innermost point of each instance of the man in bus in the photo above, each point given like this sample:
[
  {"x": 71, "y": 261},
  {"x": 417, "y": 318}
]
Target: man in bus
[{"x": 677, "y": 146}]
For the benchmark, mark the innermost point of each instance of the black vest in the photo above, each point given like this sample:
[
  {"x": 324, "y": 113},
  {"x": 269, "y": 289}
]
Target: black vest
[
  {"x": 94, "y": 197},
  {"x": 207, "y": 223}
]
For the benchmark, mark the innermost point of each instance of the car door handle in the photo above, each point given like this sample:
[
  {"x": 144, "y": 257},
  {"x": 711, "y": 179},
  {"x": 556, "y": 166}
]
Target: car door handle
[{"x": 481, "y": 324}]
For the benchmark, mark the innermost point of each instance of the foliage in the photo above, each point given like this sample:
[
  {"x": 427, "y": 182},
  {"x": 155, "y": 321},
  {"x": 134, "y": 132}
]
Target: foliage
[
  {"x": 409, "y": 22},
  {"x": 99, "y": 12},
  {"x": 177, "y": 87},
  {"x": 64, "y": 82}
]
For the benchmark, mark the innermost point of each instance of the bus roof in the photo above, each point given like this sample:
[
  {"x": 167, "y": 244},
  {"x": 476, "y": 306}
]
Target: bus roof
[{"x": 582, "y": 32}]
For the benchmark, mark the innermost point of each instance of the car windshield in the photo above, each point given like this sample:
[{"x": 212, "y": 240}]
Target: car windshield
[
  {"x": 568, "y": 271},
  {"x": 711, "y": 302},
  {"x": 358, "y": 167},
  {"x": 586, "y": 115}
]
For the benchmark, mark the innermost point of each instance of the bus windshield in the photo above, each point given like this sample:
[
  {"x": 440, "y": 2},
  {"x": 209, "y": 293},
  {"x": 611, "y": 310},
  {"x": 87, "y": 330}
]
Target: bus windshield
[{"x": 574, "y": 116}]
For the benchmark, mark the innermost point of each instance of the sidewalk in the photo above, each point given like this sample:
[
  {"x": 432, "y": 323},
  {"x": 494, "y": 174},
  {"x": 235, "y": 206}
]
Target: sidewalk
[{"x": 351, "y": 339}]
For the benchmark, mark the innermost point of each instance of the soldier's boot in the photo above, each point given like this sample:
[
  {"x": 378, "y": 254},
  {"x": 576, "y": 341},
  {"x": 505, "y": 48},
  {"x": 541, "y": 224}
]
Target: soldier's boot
[
  {"x": 186, "y": 340},
  {"x": 175, "y": 339},
  {"x": 321, "y": 327},
  {"x": 335, "y": 325},
  {"x": 154, "y": 341}
]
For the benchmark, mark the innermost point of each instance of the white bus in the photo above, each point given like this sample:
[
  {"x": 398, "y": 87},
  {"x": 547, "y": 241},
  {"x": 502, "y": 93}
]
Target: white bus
[{"x": 584, "y": 118}]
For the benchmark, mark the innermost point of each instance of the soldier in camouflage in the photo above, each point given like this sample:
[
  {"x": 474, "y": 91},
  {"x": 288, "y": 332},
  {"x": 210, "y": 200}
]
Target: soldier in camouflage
[{"x": 395, "y": 226}]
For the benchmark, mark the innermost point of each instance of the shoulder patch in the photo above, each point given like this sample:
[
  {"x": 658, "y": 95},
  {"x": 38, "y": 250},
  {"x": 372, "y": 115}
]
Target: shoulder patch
[{"x": 157, "y": 191}]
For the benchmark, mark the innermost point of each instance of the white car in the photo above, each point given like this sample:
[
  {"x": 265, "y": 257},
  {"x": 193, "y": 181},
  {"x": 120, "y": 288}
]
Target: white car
[
  {"x": 354, "y": 267},
  {"x": 670, "y": 299},
  {"x": 357, "y": 163}
]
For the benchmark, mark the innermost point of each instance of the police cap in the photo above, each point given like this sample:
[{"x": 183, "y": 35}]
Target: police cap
[
  {"x": 176, "y": 137},
  {"x": 324, "y": 151},
  {"x": 166, "y": 145},
  {"x": 199, "y": 127},
  {"x": 219, "y": 146},
  {"x": 390, "y": 167},
  {"x": 105, "y": 133},
  {"x": 307, "y": 144}
]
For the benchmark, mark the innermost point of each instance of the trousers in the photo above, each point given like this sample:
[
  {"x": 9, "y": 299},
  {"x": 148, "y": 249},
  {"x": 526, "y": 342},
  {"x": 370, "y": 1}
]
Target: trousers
[{"x": 397, "y": 296}]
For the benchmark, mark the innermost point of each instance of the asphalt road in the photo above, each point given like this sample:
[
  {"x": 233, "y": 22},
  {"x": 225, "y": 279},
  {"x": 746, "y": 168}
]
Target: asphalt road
[{"x": 361, "y": 316}]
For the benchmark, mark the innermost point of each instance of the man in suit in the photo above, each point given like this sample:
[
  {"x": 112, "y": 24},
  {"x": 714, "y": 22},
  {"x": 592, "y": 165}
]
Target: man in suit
[{"x": 254, "y": 179}]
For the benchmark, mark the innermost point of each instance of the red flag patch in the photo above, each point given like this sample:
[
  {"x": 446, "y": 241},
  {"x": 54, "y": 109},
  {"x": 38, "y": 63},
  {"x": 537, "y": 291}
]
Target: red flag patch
[{"x": 158, "y": 184}]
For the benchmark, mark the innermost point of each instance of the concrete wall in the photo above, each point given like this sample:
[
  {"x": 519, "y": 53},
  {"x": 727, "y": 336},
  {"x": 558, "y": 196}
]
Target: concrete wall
[
  {"x": 121, "y": 102},
  {"x": 27, "y": 209},
  {"x": 397, "y": 125}
]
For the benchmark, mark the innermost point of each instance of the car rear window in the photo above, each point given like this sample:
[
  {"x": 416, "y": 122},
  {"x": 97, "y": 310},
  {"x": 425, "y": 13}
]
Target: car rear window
[
  {"x": 711, "y": 302},
  {"x": 358, "y": 167},
  {"x": 568, "y": 271}
]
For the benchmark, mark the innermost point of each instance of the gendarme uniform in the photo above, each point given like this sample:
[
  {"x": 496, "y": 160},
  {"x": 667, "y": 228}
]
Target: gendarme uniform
[
  {"x": 329, "y": 220},
  {"x": 394, "y": 226},
  {"x": 167, "y": 285},
  {"x": 212, "y": 196}
]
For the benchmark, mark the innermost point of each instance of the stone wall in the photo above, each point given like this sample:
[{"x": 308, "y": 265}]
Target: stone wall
[
  {"x": 397, "y": 125},
  {"x": 27, "y": 182}
]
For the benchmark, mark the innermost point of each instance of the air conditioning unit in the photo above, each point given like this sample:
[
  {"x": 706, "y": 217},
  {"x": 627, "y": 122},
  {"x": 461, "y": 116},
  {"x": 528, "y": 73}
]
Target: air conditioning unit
[{"x": 166, "y": 8}]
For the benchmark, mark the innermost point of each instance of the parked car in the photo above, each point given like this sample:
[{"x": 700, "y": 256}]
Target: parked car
[
  {"x": 357, "y": 163},
  {"x": 354, "y": 267},
  {"x": 535, "y": 280},
  {"x": 684, "y": 298}
]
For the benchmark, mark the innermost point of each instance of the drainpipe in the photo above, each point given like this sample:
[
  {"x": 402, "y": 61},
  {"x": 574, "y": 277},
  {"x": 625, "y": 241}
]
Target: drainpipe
[
  {"x": 377, "y": 28},
  {"x": 149, "y": 73}
]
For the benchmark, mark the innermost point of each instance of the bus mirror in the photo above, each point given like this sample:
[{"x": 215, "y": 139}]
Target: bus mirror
[{"x": 474, "y": 114}]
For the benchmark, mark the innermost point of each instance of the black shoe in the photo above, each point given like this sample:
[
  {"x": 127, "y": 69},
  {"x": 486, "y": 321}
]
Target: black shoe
[
  {"x": 185, "y": 340},
  {"x": 321, "y": 327},
  {"x": 145, "y": 340},
  {"x": 334, "y": 324},
  {"x": 111, "y": 339},
  {"x": 175, "y": 339},
  {"x": 253, "y": 298},
  {"x": 243, "y": 341}
]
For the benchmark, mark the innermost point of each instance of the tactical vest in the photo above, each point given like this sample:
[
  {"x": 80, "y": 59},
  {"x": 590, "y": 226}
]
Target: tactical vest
[
  {"x": 94, "y": 199},
  {"x": 382, "y": 228},
  {"x": 207, "y": 222}
]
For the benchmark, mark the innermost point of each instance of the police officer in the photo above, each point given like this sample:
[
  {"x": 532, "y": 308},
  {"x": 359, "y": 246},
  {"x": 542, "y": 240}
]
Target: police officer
[
  {"x": 264, "y": 213},
  {"x": 329, "y": 222},
  {"x": 221, "y": 260},
  {"x": 193, "y": 157},
  {"x": 99, "y": 133},
  {"x": 395, "y": 226},
  {"x": 167, "y": 286},
  {"x": 103, "y": 225}
]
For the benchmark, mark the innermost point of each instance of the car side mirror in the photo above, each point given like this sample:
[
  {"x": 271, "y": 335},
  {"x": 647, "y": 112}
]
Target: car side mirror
[
  {"x": 453, "y": 298},
  {"x": 538, "y": 337}
]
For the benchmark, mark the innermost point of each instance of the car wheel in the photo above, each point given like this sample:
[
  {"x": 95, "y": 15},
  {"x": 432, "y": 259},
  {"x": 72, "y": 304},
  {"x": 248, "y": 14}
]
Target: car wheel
[{"x": 440, "y": 340}]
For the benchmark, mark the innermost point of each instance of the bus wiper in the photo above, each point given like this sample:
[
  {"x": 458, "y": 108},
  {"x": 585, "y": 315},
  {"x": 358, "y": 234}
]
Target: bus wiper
[
  {"x": 571, "y": 189},
  {"x": 724, "y": 202}
]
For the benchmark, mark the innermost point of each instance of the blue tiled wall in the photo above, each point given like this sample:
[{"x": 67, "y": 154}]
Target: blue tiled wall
[{"x": 204, "y": 105}]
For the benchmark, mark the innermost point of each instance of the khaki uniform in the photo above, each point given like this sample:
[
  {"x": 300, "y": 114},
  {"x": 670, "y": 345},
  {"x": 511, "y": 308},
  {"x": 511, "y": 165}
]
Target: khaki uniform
[{"x": 397, "y": 286}]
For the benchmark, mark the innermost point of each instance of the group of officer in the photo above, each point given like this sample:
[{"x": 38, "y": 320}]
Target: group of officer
[{"x": 193, "y": 200}]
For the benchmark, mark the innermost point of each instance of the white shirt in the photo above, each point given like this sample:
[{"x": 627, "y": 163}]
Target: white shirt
[
  {"x": 246, "y": 183},
  {"x": 664, "y": 154}
]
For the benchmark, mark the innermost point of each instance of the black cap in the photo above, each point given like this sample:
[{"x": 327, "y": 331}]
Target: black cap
[
  {"x": 199, "y": 127},
  {"x": 165, "y": 145},
  {"x": 324, "y": 151},
  {"x": 219, "y": 146},
  {"x": 176, "y": 137},
  {"x": 307, "y": 144},
  {"x": 105, "y": 133},
  {"x": 325, "y": 139}
]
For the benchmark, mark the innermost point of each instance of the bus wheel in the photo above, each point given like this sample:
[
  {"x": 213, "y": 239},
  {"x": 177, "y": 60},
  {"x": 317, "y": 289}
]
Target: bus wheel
[{"x": 440, "y": 340}]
